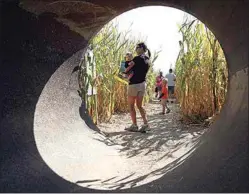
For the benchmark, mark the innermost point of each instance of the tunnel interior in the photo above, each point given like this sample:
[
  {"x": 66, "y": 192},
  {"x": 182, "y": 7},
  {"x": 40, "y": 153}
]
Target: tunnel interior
[{"x": 43, "y": 42}]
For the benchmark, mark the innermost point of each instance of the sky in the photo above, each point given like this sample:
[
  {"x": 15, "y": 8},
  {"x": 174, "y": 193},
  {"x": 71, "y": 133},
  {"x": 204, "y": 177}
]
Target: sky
[{"x": 159, "y": 25}]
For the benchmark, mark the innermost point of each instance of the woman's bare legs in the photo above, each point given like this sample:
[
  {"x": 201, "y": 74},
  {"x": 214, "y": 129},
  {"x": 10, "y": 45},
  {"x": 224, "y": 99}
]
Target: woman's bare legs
[
  {"x": 139, "y": 102},
  {"x": 131, "y": 104}
]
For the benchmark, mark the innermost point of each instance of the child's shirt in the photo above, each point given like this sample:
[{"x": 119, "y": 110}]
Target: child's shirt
[
  {"x": 127, "y": 64},
  {"x": 165, "y": 91},
  {"x": 128, "y": 70}
]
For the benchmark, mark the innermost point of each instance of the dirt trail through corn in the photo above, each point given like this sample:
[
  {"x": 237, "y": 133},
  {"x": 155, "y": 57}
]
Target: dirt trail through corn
[{"x": 147, "y": 156}]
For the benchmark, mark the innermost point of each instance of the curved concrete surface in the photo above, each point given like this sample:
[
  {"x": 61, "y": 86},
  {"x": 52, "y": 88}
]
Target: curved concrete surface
[{"x": 38, "y": 89}]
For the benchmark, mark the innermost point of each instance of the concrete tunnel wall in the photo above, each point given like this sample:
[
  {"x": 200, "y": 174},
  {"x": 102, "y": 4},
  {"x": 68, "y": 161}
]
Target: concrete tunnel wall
[{"x": 37, "y": 39}]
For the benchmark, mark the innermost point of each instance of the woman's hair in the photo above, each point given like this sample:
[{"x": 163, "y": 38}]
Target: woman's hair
[{"x": 142, "y": 45}]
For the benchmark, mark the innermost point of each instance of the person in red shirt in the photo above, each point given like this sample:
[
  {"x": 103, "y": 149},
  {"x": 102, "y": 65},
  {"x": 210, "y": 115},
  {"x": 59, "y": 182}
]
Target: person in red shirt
[
  {"x": 158, "y": 88},
  {"x": 164, "y": 96}
]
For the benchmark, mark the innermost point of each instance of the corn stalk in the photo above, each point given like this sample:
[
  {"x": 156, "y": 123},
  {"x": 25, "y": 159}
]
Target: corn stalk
[{"x": 201, "y": 71}]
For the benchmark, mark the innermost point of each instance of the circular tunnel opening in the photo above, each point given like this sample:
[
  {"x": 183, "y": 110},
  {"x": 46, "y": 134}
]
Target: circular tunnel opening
[
  {"x": 105, "y": 157},
  {"x": 47, "y": 147}
]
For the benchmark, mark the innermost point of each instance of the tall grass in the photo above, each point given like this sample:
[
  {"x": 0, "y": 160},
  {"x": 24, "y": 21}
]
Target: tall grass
[
  {"x": 109, "y": 47},
  {"x": 201, "y": 71}
]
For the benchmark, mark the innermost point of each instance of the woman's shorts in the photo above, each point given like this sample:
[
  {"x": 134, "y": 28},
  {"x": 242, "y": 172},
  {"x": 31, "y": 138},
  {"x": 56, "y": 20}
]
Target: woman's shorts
[{"x": 137, "y": 89}]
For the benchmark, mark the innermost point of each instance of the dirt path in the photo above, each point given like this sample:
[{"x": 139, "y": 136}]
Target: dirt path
[
  {"x": 153, "y": 154},
  {"x": 158, "y": 123}
]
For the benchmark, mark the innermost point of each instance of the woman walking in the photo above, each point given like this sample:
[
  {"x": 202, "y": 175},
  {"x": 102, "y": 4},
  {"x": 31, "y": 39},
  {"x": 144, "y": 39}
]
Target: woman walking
[{"x": 137, "y": 84}]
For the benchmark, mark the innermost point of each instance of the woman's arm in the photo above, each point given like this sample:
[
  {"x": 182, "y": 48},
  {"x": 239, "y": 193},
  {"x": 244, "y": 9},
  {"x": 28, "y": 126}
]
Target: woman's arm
[
  {"x": 131, "y": 65},
  {"x": 126, "y": 64}
]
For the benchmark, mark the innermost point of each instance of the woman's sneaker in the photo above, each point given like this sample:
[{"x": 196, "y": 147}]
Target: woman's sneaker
[
  {"x": 144, "y": 128},
  {"x": 132, "y": 128}
]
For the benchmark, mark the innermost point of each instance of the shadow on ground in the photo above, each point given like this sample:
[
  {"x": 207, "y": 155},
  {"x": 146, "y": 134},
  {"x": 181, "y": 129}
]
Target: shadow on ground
[
  {"x": 165, "y": 134},
  {"x": 168, "y": 144},
  {"x": 130, "y": 181}
]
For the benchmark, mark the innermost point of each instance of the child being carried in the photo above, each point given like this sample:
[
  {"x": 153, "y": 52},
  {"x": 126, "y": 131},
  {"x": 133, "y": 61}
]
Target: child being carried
[{"x": 128, "y": 65}]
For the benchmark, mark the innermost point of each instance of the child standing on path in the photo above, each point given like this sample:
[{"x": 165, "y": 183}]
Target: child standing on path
[{"x": 164, "y": 96}]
